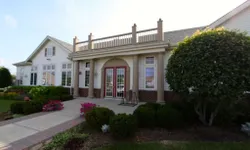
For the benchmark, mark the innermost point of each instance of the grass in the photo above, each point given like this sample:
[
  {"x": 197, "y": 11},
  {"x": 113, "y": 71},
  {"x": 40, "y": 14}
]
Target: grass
[
  {"x": 180, "y": 146},
  {"x": 5, "y": 105}
]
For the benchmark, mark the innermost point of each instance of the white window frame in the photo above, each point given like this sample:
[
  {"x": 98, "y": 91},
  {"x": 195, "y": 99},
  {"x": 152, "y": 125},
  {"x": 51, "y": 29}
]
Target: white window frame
[
  {"x": 49, "y": 51},
  {"x": 48, "y": 68},
  {"x": 86, "y": 69},
  {"x": 150, "y": 65},
  {"x": 66, "y": 70},
  {"x": 34, "y": 70}
]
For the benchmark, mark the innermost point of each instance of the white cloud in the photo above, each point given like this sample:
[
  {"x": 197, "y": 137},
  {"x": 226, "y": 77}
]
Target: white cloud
[{"x": 10, "y": 21}]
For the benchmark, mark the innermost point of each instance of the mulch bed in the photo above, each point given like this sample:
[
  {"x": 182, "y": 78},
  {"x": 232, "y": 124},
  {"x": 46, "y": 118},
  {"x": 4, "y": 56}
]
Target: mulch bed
[{"x": 211, "y": 134}]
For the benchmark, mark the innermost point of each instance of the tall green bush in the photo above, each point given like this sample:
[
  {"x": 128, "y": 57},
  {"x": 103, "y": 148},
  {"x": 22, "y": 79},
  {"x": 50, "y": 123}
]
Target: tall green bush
[
  {"x": 145, "y": 115},
  {"x": 123, "y": 125},
  {"x": 210, "y": 68},
  {"x": 99, "y": 116},
  {"x": 5, "y": 77}
]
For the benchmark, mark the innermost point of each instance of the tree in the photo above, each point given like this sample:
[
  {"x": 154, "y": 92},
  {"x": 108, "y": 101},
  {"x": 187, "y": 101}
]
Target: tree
[
  {"x": 211, "y": 68},
  {"x": 5, "y": 77}
]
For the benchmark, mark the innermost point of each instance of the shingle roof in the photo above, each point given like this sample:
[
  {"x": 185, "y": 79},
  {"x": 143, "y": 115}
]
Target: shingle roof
[
  {"x": 22, "y": 63},
  {"x": 174, "y": 37}
]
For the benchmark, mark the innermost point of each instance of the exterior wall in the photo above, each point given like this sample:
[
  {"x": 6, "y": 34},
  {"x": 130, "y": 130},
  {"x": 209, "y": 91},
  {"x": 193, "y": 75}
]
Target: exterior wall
[
  {"x": 60, "y": 57},
  {"x": 25, "y": 72},
  {"x": 241, "y": 21}
]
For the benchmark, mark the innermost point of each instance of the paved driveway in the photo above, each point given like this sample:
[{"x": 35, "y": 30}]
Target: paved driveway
[{"x": 15, "y": 132}]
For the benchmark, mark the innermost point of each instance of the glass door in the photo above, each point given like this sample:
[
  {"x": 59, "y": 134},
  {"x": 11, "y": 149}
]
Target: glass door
[
  {"x": 120, "y": 82},
  {"x": 109, "y": 82}
]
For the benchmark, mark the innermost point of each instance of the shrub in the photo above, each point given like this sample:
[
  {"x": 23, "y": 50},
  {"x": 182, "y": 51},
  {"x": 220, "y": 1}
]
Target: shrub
[
  {"x": 155, "y": 106},
  {"x": 55, "y": 90},
  {"x": 66, "y": 140},
  {"x": 51, "y": 97},
  {"x": 99, "y": 116},
  {"x": 5, "y": 77},
  {"x": 28, "y": 108},
  {"x": 145, "y": 116},
  {"x": 39, "y": 92},
  {"x": 168, "y": 117},
  {"x": 86, "y": 107},
  {"x": 211, "y": 67},
  {"x": 53, "y": 105},
  {"x": 17, "y": 107},
  {"x": 122, "y": 125},
  {"x": 20, "y": 89},
  {"x": 66, "y": 97}
]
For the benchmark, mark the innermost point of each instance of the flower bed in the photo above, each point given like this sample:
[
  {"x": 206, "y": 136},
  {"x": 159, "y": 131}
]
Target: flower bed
[
  {"x": 86, "y": 107},
  {"x": 53, "y": 105}
]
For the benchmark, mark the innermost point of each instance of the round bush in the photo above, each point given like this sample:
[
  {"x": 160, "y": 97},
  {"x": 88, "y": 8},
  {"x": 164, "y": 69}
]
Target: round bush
[
  {"x": 123, "y": 125},
  {"x": 99, "y": 116},
  {"x": 168, "y": 117},
  {"x": 17, "y": 107},
  {"x": 28, "y": 108},
  {"x": 155, "y": 106},
  {"x": 211, "y": 67},
  {"x": 5, "y": 77},
  {"x": 145, "y": 116}
]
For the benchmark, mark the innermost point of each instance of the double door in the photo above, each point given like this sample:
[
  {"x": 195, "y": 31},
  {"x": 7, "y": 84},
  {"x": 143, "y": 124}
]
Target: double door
[{"x": 115, "y": 82}]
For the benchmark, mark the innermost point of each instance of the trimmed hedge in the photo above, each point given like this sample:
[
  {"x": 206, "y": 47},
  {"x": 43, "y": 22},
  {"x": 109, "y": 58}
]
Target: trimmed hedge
[
  {"x": 168, "y": 117},
  {"x": 123, "y": 125},
  {"x": 145, "y": 115},
  {"x": 27, "y": 107},
  {"x": 99, "y": 116},
  {"x": 17, "y": 107}
]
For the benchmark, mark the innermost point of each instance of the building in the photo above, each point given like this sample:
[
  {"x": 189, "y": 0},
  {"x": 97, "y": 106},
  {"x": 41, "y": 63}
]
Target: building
[
  {"x": 47, "y": 65},
  {"x": 130, "y": 65}
]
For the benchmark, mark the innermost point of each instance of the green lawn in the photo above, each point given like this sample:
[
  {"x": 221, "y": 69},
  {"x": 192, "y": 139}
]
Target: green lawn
[
  {"x": 180, "y": 146},
  {"x": 5, "y": 105}
]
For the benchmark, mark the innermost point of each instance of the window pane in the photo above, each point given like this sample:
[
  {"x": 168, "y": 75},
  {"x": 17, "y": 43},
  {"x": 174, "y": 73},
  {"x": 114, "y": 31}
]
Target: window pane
[
  {"x": 87, "y": 78},
  {"x": 48, "y": 67},
  {"x": 149, "y": 60},
  {"x": 87, "y": 65},
  {"x": 31, "y": 79},
  {"x": 35, "y": 78},
  {"x": 52, "y": 78},
  {"x": 44, "y": 78},
  {"x": 149, "y": 77},
  {"x": 53, "y": 67},
  {"x": 69, "y": 66},
  {"x": 63, "y": 78},
  {"x": 64, "y": 66},
  {"x": 44, "y": 67},
  {"x": 69, "y": 78},
  {"x": 48, "y": 78}
]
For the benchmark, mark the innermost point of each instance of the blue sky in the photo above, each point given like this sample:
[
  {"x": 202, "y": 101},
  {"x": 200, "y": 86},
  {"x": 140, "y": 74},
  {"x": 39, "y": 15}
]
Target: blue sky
[{"x": 25, "y": 23}]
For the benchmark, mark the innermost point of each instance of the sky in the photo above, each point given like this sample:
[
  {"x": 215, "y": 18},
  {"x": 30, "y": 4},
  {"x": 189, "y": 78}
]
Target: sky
[{"x": 25, "y": 23}]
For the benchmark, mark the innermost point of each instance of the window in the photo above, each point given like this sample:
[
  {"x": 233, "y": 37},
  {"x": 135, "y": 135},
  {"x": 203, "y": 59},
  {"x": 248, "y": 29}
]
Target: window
[
  {"x": 149, "y": 60},
  {"x": 50, "y": 51},
  {"x": 87, "y": 67},
  {"x": 48, "y": 75},
  {"x": 33, "y": 75},
  {"x": 66, "y": 74},
  {"x": 149, "y": 73}
]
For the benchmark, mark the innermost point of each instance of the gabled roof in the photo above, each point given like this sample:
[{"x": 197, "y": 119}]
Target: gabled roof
[
  {"x": 22, "y": 63},
  {"x": 230, "y": 14},
  {"x": 65, "y": 46},
  {"x": 174, "y": 37}
]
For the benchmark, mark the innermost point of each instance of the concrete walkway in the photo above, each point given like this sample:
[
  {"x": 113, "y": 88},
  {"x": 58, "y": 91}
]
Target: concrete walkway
[{"x": 25, "y": 133}]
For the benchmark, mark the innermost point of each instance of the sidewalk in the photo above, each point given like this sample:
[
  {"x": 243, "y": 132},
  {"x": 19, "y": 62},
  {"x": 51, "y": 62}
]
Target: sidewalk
[{"x": 22, "y": 134}]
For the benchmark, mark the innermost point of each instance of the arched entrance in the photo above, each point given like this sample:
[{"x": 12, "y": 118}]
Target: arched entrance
[{"x": 115, "y": 78}]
